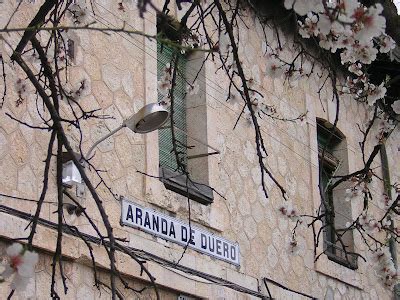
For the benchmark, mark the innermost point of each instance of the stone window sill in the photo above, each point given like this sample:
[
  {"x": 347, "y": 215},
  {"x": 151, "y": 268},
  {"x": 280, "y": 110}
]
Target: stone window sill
[{"x": 178, "y": 183}]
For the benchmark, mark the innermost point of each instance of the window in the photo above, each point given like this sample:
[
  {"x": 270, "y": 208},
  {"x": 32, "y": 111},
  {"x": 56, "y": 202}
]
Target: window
[
  {"x": 332, "y": 154},
  {"x": 190, "y": 129}
]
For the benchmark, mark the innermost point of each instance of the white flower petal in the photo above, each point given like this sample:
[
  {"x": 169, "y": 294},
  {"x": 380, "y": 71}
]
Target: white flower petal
[
  {"x": 30, "y": 258},
  {"x": 7, "y": 272},
  {"x": 26, "y": 270},
  {"x": 396, "y": 107},
  {"x": 14, "y": 250},
  {"x": 19, "y": 283}
]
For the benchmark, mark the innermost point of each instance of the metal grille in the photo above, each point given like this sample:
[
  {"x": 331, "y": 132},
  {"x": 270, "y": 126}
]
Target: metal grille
[
  {"x": 328, "y": 156},
  {"x": 166, "y": 153},
  {"x": 337, "y": 254}
]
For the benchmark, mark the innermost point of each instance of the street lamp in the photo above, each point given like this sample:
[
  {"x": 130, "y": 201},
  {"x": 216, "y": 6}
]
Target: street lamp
[{"x": 149, "y": 118}]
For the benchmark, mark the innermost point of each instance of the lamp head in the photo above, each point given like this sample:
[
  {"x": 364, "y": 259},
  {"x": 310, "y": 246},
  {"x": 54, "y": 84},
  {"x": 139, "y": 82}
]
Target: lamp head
[{"x": 150, "y": 117}]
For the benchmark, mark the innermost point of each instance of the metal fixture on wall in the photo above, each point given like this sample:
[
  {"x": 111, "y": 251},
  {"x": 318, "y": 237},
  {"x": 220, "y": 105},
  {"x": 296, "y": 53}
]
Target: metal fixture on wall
[{"x": 149, "y": 118}]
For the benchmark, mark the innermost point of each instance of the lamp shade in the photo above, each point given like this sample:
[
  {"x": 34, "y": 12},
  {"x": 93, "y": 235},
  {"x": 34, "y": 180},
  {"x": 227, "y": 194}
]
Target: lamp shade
[
  {"x": 70, "y": 174},
  {"x": 150, "y": 117}
]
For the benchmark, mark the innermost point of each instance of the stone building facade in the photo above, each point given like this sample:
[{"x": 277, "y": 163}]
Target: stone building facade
[{"x": 121, "y": 73}]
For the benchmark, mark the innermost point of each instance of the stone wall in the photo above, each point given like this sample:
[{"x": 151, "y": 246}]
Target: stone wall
[{"x": 120, "y": 71}]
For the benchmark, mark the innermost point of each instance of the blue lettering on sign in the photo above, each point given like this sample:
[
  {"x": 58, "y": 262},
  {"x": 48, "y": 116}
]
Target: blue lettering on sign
[
  {"x": 155, "y": 223},
  {"x": 129, "y": 214},
  {"x": 233, "y": 253},
  {"x": 183, "y": 234},
  {"x": 164, "y": 226},
  {"x": 211, "y": 244},
  {"x": 203, "y": 241},
  {"x": 147, "y": 220},
  {"x": 219, "y": 247},
  {"x": 172, "y": 230},
  {"x": 192, "y": 237}
]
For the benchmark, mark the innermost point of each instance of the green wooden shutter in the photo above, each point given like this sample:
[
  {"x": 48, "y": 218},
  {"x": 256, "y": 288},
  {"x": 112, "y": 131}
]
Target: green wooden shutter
[{"x": 166, "y": 154}]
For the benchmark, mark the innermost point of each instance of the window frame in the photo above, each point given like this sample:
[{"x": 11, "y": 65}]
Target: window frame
[
  {"x": 330, "y": 164},
  {"x": 174, "y": 180}
]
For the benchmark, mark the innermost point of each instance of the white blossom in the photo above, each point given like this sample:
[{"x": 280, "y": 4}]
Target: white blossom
[
  {"x": 21, "y": 264},
  {"x": 385, "y": 268},
  {"x": 356, "y": 69},
  {"x": 78, "y": 12},
  {"x": 369, "y": 21},
  {"x": 396, "y": 106},
  {"x": 193, "y": 89},
  {"x": 364, "y": 52},
  {"x": 345, "y": 41},
  {"x": 375, "y": 93},
  {"x": 164, "y": 85},
  {"x": 294, "y": 246},
  {"x": 324, "y": 24},
  {"x": 289, "y": 211},
  {"x": 302, "y": 7},
  {"x": 349, "y": 6},
  {"x": 351, "y": 193},
  {"x": 386, "y": 43},
  {"x": 21, "y": 88},
  {"x": 164, "y": 82},
  {"x": 309, "y": 28},
  {"x": 386, "y": 222},
  {"x": 274, "y": 68},
  {"x": 325, "y": 42},
  {"x": 387, "y": 201}
]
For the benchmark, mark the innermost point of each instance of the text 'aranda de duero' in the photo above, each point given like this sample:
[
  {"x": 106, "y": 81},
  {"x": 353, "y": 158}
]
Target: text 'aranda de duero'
[{"x": 179, "y": 232}]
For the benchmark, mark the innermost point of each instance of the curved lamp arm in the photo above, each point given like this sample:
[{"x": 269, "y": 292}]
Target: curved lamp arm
[
  {"x": 150, "y": 117},
  {"x": 104, "y": 138}
]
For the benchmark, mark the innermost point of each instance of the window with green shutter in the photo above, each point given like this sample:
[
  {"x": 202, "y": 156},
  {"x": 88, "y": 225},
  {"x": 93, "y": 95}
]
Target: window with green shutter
[
  {"x": 167, "y": 156},
  {"x": 173, "y": 177}
]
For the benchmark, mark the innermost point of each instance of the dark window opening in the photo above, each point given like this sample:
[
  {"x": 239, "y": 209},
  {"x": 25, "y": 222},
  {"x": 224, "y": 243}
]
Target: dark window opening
[{"x": 333, "y": 160}]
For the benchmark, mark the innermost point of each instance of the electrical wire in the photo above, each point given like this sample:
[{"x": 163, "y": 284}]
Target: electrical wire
[
  {"x": 25, "y": 199},
  {"x": 230, "y": 284},
  {"x": 205, "y": 82},
  {"x": 227, "y": 106},
  {"x": 142, "y": 254},
  {"x": 307, "y": 160}
]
